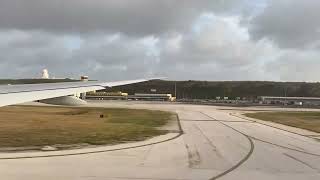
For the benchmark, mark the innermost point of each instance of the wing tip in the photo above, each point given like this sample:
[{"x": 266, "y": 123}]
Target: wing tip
[{"x": 157, "y": 78}]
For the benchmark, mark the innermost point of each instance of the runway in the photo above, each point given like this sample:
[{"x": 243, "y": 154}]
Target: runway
[{"x": 215, "y": 144}]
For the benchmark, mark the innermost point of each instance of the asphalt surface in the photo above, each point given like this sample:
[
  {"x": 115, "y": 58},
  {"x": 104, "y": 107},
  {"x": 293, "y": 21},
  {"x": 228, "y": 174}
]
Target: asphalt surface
[{"x": 215, "y": 144}]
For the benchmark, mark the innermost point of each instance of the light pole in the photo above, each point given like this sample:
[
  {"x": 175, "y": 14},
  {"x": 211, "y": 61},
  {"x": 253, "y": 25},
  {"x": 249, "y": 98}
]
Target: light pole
[{"x": 175, "y": 89}]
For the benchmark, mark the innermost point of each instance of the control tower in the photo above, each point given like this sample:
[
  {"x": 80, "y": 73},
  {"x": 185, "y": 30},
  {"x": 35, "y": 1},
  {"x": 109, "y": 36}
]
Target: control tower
[{"x": 45, "y": 74}]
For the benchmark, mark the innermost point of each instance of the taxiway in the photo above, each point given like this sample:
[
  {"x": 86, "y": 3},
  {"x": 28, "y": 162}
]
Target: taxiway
[{"x": 215, "y": 144}]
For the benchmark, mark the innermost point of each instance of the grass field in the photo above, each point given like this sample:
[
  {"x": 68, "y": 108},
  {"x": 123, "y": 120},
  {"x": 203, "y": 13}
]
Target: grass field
[
  {"x": 303, "y": 120},
  {"x": 40, "y": 126}
]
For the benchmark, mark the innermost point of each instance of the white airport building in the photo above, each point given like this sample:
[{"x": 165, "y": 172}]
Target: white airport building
[{"x": 290, "y": 100}]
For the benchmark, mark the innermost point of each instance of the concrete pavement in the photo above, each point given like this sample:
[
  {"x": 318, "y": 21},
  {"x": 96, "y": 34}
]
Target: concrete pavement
[{"x": 215, "y": 145}]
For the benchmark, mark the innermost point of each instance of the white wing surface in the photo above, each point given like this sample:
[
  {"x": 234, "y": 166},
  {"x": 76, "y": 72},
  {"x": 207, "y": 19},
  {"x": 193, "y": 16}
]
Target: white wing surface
[{"x": 15, "y": 94}]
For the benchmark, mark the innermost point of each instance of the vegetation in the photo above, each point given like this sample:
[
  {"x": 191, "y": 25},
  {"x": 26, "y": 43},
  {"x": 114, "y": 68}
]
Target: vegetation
[
  {"x": 232, "y": 89},
  {"x": 206, "y": 89},
  {"x": 303, "y": 120},
  {"x": 40, "y": 126}
]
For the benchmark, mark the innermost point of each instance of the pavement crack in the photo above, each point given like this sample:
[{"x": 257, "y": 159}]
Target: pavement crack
[{"x": 146, "y": 155}]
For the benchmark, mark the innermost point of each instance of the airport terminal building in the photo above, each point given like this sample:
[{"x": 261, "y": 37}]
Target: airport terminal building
[
  {"x": 314, "y": 101},
  {"x": 125, "y": 96}
]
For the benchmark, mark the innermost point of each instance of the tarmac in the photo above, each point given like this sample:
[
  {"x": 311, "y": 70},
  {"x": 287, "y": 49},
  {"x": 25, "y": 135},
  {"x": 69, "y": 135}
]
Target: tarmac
[{"x": 208, "y": 142}]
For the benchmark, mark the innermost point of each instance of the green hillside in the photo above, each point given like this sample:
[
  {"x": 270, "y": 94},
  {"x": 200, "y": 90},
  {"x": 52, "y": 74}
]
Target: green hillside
[
  {"x": 204, "y": 89},
  {"x": 232, "y": 89}
]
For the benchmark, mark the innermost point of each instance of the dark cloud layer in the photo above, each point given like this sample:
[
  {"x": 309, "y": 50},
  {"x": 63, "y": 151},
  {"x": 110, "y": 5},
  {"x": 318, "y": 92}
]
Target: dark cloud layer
[
  {"x": 180, "y": 39},
  {"x": 290, "y": 23},
  {"x": 134, "y": 17}
]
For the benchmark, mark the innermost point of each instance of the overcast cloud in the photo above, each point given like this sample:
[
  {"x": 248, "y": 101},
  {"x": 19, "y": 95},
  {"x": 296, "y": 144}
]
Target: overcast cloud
[{"x": 180, "y": 39}]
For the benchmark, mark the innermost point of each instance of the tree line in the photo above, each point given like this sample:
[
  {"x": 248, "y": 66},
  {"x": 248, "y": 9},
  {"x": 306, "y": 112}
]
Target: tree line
[{"x": 231, "y": 89}]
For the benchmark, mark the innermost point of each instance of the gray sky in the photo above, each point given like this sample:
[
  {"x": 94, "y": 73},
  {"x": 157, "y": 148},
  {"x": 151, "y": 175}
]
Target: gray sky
[{"x": 179, "y": 39}]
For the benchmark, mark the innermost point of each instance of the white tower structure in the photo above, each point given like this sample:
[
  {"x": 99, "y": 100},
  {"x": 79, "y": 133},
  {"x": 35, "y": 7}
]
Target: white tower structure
[{"x": 45, "y": 74}]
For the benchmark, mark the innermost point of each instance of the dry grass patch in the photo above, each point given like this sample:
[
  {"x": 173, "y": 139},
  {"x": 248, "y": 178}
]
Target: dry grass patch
[
  {"x": 40, "y": 126},
  {"x": 303, "y": 120}
]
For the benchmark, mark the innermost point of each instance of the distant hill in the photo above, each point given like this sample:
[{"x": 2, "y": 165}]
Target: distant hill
[
  {"x": 34, "y": 81},
  {"x": 204, "y": 89},
  {"x": 232, "y": 89}
]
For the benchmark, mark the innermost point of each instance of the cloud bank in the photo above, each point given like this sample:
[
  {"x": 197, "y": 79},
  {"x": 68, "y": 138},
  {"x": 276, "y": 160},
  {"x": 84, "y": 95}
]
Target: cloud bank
[{"x": 124, "y": 39}]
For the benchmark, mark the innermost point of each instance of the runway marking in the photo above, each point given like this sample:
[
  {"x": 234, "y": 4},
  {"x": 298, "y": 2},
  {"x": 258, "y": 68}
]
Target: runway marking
[
  {"x": 242, "y": 160},
  {"x": 313, "y": 135},
  {"x": 136, "y": 178},
  {"x": 204, "y": 120},
  {"x": 245, "y": 110},
  {"x": 284, "y": 147},
  {"x": 281, "y": 146},
  {"x": 302, "y": 162},
  {"x": 308, "y": 136},
  {"x": 296, "y": 147},
  {"x": 251, "y": 151},
  {"x": 257, "y": 139}
]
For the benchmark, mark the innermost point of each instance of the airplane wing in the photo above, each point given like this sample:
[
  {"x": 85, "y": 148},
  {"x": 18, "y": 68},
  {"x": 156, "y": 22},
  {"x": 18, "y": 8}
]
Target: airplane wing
[{"x": 16, "y": 94}]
